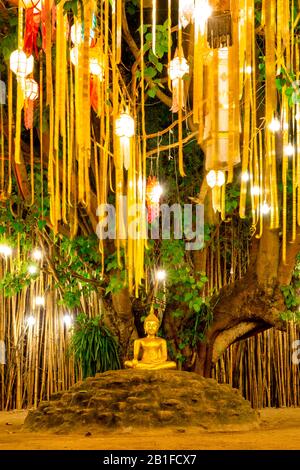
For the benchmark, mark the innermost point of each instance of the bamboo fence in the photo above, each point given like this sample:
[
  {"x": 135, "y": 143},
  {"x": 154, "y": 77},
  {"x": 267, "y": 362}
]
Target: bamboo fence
[{"x": 264, "y": 368}]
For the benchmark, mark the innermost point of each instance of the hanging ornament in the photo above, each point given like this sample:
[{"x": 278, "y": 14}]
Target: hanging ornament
[
  {"x": 20, "y": 64},
  {"x": 186, "y": 12},
  {"x": 178, "y": 67},
  {"x": 31, "y": 93},
  {"x": 96, "y": 65},
  {"x": 219, "y": 25},
  {"x": 216, "y": 181},
  {"x": 153, "y": 194},
  {"x": 32, "y": 26},
  {"x": 2, "y": 92},
  {"x": 125, "y": 129},
  {"x": 31, "y": 89}
]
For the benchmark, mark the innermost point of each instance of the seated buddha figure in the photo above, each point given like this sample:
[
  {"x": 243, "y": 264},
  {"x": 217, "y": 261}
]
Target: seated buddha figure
[{"x": 152, "y": 348}]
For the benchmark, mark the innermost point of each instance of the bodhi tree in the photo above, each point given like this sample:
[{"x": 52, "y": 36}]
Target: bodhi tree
[{"x": 211, "y": 112}]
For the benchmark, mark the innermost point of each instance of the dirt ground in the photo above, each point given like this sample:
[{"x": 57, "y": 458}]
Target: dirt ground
[{"x": 280, "y": 430}]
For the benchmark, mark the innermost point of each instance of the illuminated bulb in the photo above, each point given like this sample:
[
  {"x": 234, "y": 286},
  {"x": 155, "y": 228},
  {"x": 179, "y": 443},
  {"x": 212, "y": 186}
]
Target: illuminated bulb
[
  {"x": 186, "y": 12},
  {"x": 245, "y": 176},
  {"x": 160, "y": 275},
  {"x": 5, "y": 250},
  {"x": 211, "y": 178},
  {"x": 30, "y": 320},
  {"x": 178, "y": 68},
  {"x": 156, "y": 193},
  {"x": 96, "y": 68},
  {"x": 32, "y": 269},
  {"x": 220, "y": 178},
  {"x": 37, "y": 254},
  {"x": 285, "y": 126},
  {"x": 31, "y": 89},
  {"x": 289, "y": 150},
  {"x": 248, "y": 69},
  {"x": 274, "y": 125},
  {"x": 125, "y": 126},
  {"x": 265, "y": 208},
  {"x": 255, "y": 191},
  {"x": 20, "y": 64},
  {"x": 297, "y": 116},
  {"x": 40, "y": 301},
  {"x": 68, "y": 320}
]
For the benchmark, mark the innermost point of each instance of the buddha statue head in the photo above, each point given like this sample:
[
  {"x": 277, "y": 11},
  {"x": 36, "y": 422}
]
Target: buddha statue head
[{"x": 151, "y": 324}]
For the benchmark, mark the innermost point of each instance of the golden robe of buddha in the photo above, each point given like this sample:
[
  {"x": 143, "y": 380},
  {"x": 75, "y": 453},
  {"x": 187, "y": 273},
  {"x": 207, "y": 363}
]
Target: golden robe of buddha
[{"x": 153, "y": 349}]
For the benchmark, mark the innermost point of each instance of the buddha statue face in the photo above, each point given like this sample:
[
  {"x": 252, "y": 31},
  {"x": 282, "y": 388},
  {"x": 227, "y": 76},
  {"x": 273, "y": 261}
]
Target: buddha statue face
[{"x": 151, "y": 324}]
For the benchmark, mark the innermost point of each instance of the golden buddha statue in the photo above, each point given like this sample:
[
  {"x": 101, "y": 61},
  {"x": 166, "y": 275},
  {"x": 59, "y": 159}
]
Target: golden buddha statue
[{"x": 154, "y": 348}]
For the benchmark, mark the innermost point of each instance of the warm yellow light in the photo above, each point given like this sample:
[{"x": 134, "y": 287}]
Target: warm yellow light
[
  {"x": 37, "y": 254},
  {"x": 220, "y": 178},
  {"x": 68, "y": 320},
  {"x": 5, "y": 250},
  {"x": 125, "y": 126},
  {"x": 31, "y": 89},
  {"x": 214, "y": 178},
  {"x": 211, "y": 178},
  {"x": 20, "y": 64},
  {"x": 32, "y": 269},
  {"x": 74, "y": 55},
  {"x": 274, "y": 125},
  {"x": 96, "y": 68},
  {"x": 30, "y": 320},
  {"x": 245, "y": 176},
  {"x": 187, "y": 8},
  {"x": 265, "y": 208},
  {"x": 255, "y": 191},
  {"x": 289, "y": 150},
  {"x": 248, "y": 69},
  {"x": 155, "y": 193},
  {"x": 39, "y": 301},
  {"x": 160, "y": 275},
  {"x": 178, "y": 67}
]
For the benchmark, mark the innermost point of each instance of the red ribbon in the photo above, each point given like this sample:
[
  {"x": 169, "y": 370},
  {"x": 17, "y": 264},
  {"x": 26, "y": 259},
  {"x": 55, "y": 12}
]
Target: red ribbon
[
  {"x": 28, "y": 113},
  {"x": 32, "y": 26},
  {"x": 94, "y": 93}
]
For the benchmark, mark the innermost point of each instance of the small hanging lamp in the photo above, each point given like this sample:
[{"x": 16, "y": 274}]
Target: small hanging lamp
[
  {"x": 20, "y": 64},
  {"x": 153, "y": 195},
  {"x": 177, "y": 69},
  {"x": 125, "y": 129}
]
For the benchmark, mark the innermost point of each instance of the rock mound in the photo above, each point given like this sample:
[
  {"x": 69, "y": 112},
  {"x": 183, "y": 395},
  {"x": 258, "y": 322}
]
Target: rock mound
[{"x": 142, "y": 399}]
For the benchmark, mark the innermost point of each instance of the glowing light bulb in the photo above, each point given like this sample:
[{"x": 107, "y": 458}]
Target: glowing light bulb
[
  {"x": 39, "y": 301},
  {"x": 265, "y": 208},
  {"x": 248, "y": 69},
  {"x": 245, "y": 176},
  {"x": 5, "y": 250},
  {"x": 289, "y": 150},
  {"x": 68, "y": 320},
  {"x": 274, "y": 125},
  {"x": 220, "y": 178},
  {"x": 160, "y": 275},
  {"x": 125, "y": 125},
  {"x": 178, "y": 68},
  {"x": 211, "y": 178},
  {"x": 255, "y": 191},
  {"x": 30, "y": 320},
  {"x": 37, "y": 254},
  {"x": 156, "y": 193},
  {"x": 32, "y": 269}
]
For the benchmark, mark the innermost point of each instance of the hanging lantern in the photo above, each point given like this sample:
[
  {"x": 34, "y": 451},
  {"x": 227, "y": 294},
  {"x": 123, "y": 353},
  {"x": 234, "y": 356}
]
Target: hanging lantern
[
  {"x": 186, "y": 12},
  {"x": 153, "y": 195},
  {"x": 31, "y": 89},
  {"x": 20, "y": 64},
  {"x": 178, "y": 67},
  {"x": 125, "y": 129},
  {"x": 35, "y": 4},
  {"x": 96, "y": 64},
  {"x": 219, "y": 25}
]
